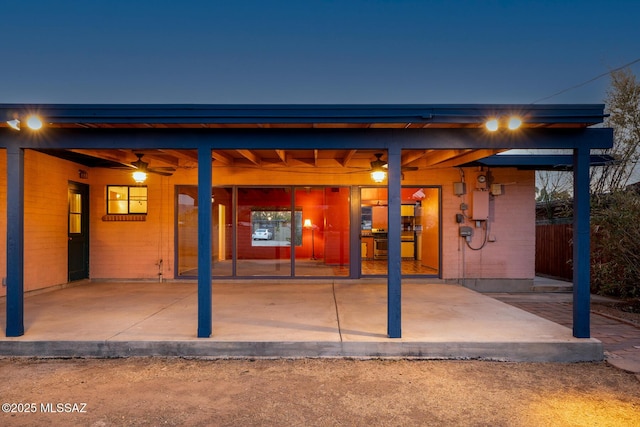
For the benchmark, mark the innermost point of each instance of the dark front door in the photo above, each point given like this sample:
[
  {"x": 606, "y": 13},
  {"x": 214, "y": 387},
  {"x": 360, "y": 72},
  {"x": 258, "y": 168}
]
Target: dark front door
[{"x": 78, "y": 231}]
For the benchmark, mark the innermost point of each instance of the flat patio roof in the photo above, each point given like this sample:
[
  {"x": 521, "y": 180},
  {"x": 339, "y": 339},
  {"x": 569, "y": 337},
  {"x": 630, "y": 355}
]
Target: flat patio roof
[{"x": 302, "y": 115}]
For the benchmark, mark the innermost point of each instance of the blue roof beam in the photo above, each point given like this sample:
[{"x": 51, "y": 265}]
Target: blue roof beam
[{"x": 291, "y": 139}]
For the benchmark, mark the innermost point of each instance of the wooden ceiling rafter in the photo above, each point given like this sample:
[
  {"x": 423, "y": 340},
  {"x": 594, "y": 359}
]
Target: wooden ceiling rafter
[
  {"x": 221, "y": 157},
  {"x": 251, "y": 156},
  {"x": 412, "y": 156},
  {"x": 347, "y": 157},
  {"x": 471, "y": 156},
  {"x": 190, "y": 155},
  {"x": 117, "y": 156},
  {"x": 282, "y": 155},
  {"x": 439, "y": 156},
  {"x": 288, "y": 158}
]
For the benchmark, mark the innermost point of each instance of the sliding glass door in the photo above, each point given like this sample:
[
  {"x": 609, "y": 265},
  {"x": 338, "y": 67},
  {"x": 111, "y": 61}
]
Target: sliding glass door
[
  {"x": 420, "y": 231},
  {"x": 187, "y": 231},
  {"x": 268, "y": 231}
]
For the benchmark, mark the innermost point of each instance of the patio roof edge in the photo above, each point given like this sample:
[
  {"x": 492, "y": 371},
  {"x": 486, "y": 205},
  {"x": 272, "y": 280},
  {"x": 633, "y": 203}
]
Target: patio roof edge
[
  {"x": 549, "y": 162},
  {"x": 584, "y": 114}
]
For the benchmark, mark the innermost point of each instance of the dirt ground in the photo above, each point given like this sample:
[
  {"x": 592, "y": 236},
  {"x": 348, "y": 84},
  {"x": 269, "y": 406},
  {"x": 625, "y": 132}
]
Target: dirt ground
[{"x": 314, "y": 392}]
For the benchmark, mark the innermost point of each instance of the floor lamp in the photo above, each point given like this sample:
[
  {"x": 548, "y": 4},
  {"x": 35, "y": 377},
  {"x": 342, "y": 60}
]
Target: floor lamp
[{"x": 307, "y": 224}]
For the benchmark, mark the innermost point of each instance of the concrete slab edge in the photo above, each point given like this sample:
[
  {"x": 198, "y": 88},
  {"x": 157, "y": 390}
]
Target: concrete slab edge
[{"x": 589, "y": 350}]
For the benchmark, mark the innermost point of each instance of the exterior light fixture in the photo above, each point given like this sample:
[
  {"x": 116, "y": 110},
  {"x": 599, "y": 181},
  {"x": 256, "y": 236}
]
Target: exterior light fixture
[
  {"x": 378, "y": 173},
  {"x": 139, "y": 177},
  {"x": 492, "y": 125},
  {"x": 34, "y": 122},
  {"x": 512, "y": 123},
  {"x": 14, "y": 124}
]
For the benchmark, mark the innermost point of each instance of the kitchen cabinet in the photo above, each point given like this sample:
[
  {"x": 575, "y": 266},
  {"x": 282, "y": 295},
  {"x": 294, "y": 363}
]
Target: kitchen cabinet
[
  {"x": 407, "y": 250},
  {"x": 379, "y": 217},
  {"x": 367, "y": 247},
  {"x": 407, "y": 210}
]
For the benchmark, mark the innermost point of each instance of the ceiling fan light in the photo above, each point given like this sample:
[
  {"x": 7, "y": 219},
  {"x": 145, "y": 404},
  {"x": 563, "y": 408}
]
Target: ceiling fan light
[
  {"x": 378, "y": 175},
  {"x": 139, "y": 177}
]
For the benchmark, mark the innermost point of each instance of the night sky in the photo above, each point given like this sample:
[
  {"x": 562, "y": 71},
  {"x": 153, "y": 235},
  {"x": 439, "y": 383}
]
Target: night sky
[{"x": 314, "y": 52}]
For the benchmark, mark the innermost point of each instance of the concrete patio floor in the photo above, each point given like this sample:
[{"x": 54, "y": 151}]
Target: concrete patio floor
[{"x": 299, "y": 318}]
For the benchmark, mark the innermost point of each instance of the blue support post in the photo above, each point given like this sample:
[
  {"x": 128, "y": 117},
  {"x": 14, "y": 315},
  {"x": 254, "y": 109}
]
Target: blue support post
[
  {"x": 204, "y": 242},
  {"x": 581, "y": 243},
  {"x": 15, "y": 241},
  {"x": 394, "y": 285}
]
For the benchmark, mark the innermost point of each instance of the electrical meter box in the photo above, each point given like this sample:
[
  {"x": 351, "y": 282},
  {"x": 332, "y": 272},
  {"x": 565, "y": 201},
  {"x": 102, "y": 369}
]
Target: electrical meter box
[
  {"x": 466, "y": 231},
  {"x": 459, "y": 188},
  {"x": 480, "y": 205}
]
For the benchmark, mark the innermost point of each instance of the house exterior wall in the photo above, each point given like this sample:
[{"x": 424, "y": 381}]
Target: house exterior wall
[
  {"x": 46, "y": 181},
  {"x": 511, "y": 222},
  {"x": 145, "y": 249},
  {"x": 132, "y": 249}
]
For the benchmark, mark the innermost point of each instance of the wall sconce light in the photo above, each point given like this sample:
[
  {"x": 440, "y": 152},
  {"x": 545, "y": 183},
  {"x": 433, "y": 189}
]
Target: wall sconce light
[
  {"x": 139, "y": 177},
  {"x": 33, "y": 122},
  {"x": 378, "y": 173},
  {"x": 83, "y": 174},
  {"x": 493, "y": 124}
]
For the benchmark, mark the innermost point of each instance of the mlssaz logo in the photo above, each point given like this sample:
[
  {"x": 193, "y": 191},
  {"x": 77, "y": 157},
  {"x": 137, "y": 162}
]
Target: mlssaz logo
[{"x": 64, "y": 407}]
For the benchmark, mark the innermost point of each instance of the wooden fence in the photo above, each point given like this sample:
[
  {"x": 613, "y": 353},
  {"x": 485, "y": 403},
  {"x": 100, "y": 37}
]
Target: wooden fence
[{"x": 554, "y": 250}]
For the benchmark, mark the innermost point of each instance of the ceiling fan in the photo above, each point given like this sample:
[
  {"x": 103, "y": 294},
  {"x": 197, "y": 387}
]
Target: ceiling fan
[
  {"x": 379, "y": 164},
  {"x": 143, "y": 166}
]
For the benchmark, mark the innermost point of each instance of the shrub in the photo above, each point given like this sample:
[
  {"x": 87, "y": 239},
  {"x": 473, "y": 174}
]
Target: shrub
[{"x": 615, "y": 244}]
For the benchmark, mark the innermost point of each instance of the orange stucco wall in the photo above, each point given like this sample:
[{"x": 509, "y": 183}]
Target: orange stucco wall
[
  {"x": 142, "y": 250},
  {"x": 132, "y": 249},
  {"x": 45, "y": 218}
]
